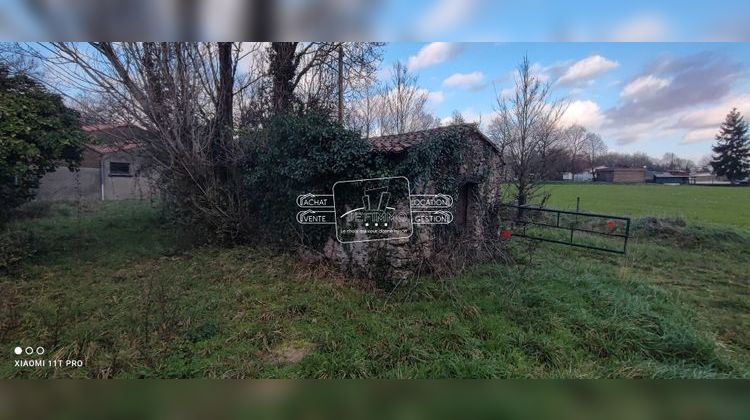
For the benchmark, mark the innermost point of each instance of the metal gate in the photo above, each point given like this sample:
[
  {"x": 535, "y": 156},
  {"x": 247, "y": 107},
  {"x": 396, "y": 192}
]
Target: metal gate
[{"x": 601, "y": 232}]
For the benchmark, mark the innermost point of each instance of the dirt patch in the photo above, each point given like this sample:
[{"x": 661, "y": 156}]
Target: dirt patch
[{"x": 290, "y": 352}]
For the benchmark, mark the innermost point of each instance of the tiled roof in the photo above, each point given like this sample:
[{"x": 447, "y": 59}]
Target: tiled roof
[
  {"x": 397, "y": 143},
  {"x": 100, "y": 127},
  {"x": 111, "y": 148},
  {"x": 108, "y": 138},
  {"x": 114, "y": 134}
]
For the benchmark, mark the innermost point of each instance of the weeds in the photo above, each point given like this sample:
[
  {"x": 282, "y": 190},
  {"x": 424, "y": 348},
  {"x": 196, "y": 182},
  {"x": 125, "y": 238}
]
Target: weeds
[{"x": 134, "y": 305}]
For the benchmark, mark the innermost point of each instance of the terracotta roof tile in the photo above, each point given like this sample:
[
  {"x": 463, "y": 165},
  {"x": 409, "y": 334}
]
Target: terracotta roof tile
[
  {"x": 111, "y": 148},
  {"x": 109, "y": 138}
]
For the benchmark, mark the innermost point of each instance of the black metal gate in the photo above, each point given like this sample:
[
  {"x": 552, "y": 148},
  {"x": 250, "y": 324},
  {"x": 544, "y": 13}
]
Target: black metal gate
[{"x": 574, "y": 228}]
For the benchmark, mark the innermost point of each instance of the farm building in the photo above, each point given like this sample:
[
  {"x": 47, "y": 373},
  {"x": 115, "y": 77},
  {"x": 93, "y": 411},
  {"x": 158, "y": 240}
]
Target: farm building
[
  {"x": 620, "y": 175},
  {"x": 478, "y": 176},
  {"x": 671, "y": 177},
  {"x": 707, "y": 178},
  {"x": 584, "y": 176},
  {"x": 111, "y": 169}
]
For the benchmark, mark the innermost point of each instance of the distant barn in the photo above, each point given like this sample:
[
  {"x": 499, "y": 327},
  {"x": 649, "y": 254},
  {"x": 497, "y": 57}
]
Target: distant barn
[
  {"x": 620, "y": 175},
  {"x": 671, "y": 177}
]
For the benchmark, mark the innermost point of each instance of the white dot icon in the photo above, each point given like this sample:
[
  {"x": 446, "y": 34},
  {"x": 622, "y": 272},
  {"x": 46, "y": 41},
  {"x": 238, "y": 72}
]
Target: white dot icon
[{"x": 18, "y": 350}]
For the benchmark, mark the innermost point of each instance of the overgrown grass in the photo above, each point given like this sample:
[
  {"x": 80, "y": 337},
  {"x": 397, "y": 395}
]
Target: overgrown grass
[
  {"x": 110, "y": 286},
  {"x": 696, "y": 204}
]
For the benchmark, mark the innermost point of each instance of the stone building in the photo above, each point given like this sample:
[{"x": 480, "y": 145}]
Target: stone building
[
  {"x": 478, "y": 176},
  {"x": 111, "y": 168}
]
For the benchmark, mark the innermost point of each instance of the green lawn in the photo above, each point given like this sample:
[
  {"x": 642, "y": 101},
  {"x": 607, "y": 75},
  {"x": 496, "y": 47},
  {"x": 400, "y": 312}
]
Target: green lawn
[
  {"x": 114, "y": 287},
  {"x": 696, "y": 204}
]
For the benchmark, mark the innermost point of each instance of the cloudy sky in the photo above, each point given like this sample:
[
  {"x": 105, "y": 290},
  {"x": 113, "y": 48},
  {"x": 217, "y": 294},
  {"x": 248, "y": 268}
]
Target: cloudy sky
[{"x": 650, "y": 97}]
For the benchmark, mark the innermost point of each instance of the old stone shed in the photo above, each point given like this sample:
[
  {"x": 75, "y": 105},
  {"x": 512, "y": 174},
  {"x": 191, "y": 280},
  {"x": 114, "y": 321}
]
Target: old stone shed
[
  {"x": 111, "y": 168},
  {"x": 478, "y": 175}
]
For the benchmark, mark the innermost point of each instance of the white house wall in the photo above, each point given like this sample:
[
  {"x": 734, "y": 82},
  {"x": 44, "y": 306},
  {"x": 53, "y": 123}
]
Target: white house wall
[{"x": 63, "y": 184}]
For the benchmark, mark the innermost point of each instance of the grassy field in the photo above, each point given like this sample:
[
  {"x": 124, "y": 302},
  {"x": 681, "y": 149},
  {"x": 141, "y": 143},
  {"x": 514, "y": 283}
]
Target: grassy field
[
  {"x": 112, "y": 286},
  {"x": 695, "y": 204}
]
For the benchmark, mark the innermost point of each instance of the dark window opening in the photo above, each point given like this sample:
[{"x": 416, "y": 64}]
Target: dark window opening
[
  {"x": 119, "y": 169},
  {"x": 465, "y": 206}
]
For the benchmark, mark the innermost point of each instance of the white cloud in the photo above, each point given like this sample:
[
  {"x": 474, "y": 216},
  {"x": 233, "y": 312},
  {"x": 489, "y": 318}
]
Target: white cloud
[
  {"x": 540, "y": 72},
  {"x": 641, "y": 28},
  {"x": 384, "y": 73},
  {"x": 446, "y": 14},
  {"x": 587, "y": 69},
  {"x": 464, "y": 80},
  {"x": 644, "y": 85},
  {"x": 583, "y": 112},
  {"x": 715, "y": 115},
  {"x": 699, "y": 136},
  {"x": 703, "y": 124},
  {"x": 434, "y": 97},
  {"x": 507, "y": 93},
  {"x": 698, "y": 124},
  {"x": 433, "y": 53}
]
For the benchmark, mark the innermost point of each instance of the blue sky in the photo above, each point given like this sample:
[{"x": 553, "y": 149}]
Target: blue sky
[
  {"x": 650, "y": 97},
  {"x": 383, "y": 20},
  {"x": 572, "y": 20}
]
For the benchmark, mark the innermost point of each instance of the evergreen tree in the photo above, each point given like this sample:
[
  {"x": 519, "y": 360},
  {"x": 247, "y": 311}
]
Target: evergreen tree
[{"x": 732, "y": 149}]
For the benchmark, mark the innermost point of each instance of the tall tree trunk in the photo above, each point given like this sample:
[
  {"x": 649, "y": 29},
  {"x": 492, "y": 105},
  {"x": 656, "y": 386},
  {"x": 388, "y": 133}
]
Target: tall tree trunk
[
  {"x": 282, "y": 68},
  {"x": 341, "y": 84},
  {"x": 223, "y": 135},
  {"x": 225, "y": 89}
]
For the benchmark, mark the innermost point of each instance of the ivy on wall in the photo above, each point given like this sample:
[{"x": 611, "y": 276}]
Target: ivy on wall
[{"x": 298, "y": 154}]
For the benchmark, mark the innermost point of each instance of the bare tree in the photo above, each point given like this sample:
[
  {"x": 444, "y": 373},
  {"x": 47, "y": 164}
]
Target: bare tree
[
  {"x": 670, "y": 161},
  {"x": 457, "y": 118},
  {"x": 575, "y": 142},
  {"x": 364, "y": 106},
  {"x": 524, "y": 121},
  {"x": 404, "y": 104},
  {"x": 183, "y": 94},
  {"x": 594, "y": 148},
  {"x": 704, "y": 164},
  {"x": 549, "y": 138},
  {"x": 318, "y": 74},
  {"x": 192, "y": 97}
]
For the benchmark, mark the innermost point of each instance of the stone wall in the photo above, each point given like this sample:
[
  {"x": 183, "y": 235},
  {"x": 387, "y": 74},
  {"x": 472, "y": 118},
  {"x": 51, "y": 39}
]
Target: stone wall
[{"x": 481, "y": 173}]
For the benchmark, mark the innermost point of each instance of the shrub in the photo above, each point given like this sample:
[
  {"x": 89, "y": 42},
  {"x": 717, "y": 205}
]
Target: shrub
[
  {"x": 294, "y": 155},
  {"x": 37, "y": 133},
  {"x": 15, "y": 246}
]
